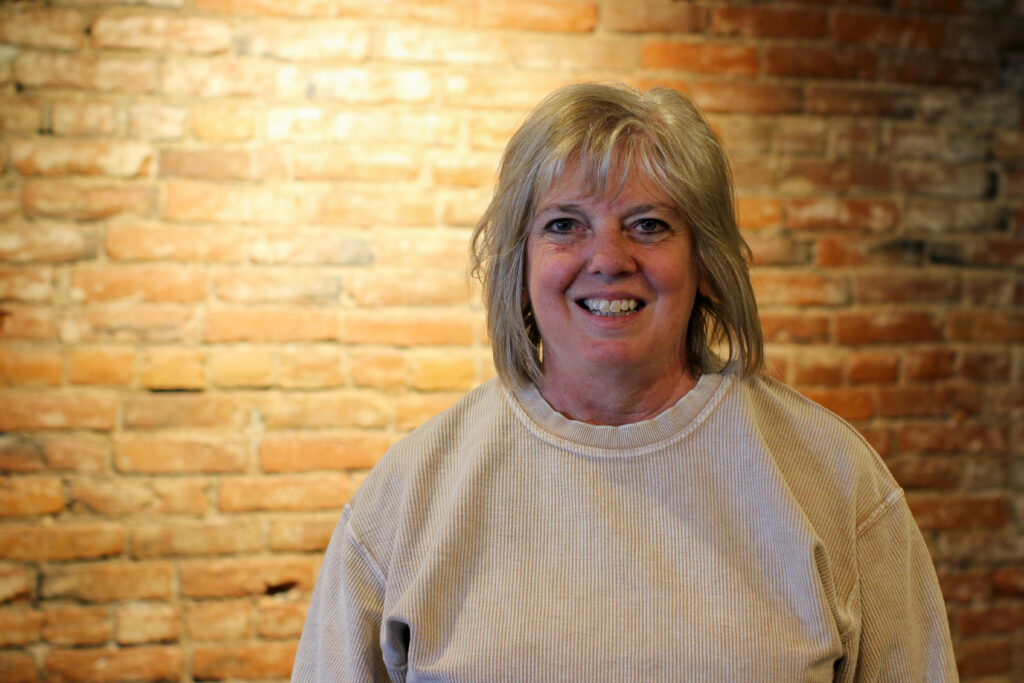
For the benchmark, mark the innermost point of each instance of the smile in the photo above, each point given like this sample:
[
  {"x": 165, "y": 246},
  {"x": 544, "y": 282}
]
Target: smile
[{"x": 611, "y": 307}]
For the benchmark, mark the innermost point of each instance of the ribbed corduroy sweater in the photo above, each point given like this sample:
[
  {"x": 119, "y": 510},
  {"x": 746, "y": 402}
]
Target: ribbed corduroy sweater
[{"x": 744, "y": 534}]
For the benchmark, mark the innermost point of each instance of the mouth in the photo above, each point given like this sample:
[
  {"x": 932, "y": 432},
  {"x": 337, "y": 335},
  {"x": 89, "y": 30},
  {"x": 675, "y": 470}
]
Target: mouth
[{"x": 610, "y": 307}]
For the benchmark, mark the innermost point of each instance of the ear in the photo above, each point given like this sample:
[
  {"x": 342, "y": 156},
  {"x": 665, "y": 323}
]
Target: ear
[{"x": 704, "y": 288}]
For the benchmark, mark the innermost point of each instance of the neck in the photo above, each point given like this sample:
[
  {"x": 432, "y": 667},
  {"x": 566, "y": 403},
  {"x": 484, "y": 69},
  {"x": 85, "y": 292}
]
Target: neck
[{"x": 615, "y": 397}]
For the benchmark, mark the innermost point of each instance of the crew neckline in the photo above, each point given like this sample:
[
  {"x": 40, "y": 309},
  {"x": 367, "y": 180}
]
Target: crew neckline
[{"x": 675, "y": 422}]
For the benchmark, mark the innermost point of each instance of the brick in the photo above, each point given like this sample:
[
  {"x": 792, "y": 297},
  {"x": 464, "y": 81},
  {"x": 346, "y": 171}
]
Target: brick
[
  {"x": 978, "y": 252},
  {"x": 240, "y": 577},
  {"x": 853, "y": 250},
  {"x": 431, "y": 45},
  {"x": 130, "y": 322},
  {"x": 368, "y": 207},
  {"x": 538, "y": 15},
  {"x": 104, "y": 366},
  {"x": 357, "y": 163},
  {"x": 512, "y": 91},
  {"x": 406, "y": 287},
  {"x": 813, "y": 176},
  {"x": 301, "y": 534},
  {"x": 412, "y": 410},
  {"x": 160, "y": 33},
  {"x": 219, "y": 620},
  {"x": 956, "y": 511},
  {"x": 157, "y": 283},
  {"x": 17, "y": 583},
  {"x": 322, "y": 491},
  {"x": 85, "y": 72},
  {"x": 751, "y": 98},
  {"x": 324, "y": 409},
  {"x": 796, "y": 329},
  {"x": 906, "y": 288},
  {"x": 243, "y": 661},
  {"x": 79, "y": 157},
  {"x": 859, "y": 101},
  {"x": 75, "y": 118},
  {"x": 965, "y": 586},
  {"x": 887, "y": 327},
  {"x": 926, "y": 473},
  {"x": 929, "y": 401},
  {"x": 701, "y": 57},
  {"x": 326, "y": 39},
  {"x": 649, "y": 17},
  {"x": 271, "y": 324},
  {"x": 20, "y": 455},
  {"x": 929, "y": 365},
  {"x": 174, "y": 368},
  {"x": 1008, "y": 581},
  {"x": 362, "y": 85},
  {"x": 26, "y": 283},
  {"x": 193, "y": 201},
  {"x": 379, "y": 368},
  {"x": 310, "y": 367},
  {"x": 263, "y": 285},
  {"x": 110, "y": 582},
  {"x": 148, "y": 623},
  {"x": 848, "y": 403},
  {"x": 1000, "y": 619},
  {"x": 447, "y": 12},
  {"x": 940, "y": 72},
  {"x": 944, "y": 180},
  {"x": 20, "y": 115},
  {"x": 808, "y": 62},
  {"x": 462, "y": 207},
  {"x": 328, "y": 247},
  {"x": 888, "y": 31},
  {"x": 63, "y": 199},
  {"x": 219, "y": 77},
  {"x": 769, "y": 22},
  {"x": 65, "y": 541},
  {"x": 223, "y": 164},
  {"x": 19, "y": 626},
  {"x": 18, "y": 667},
  {"x": 167, "y": 455},
  {"x": 757, "y": 213},
  {"x": 124, "y": 498},
  {"x": 830, "y": 213},
  {"x": 48, "y": 242},
  {"x": 82, "y": 453},
  {"x": 219, "y": 121},
  {"x": 76, "y": 625},
  {"x": 801, "y": 136},
  {"x": 279, "y": 619},
  {"x": 274, "y": 8},
  {"x": 200, "y": 410},
  {"x": 155, "y": 121},
  {"x": 545, "y": 54},
  {"x": 57, "y": 411},
  {"x": 986, "y": 326},
  {"x": 123, "y": 664},
  {"x": 782, "y": 288},
  {"x": 242, "y": 367},
  {"x": 30, "y": 368},
  {"x": 744, "y": 135},
  {"x": 987, "y": 367},
  {"x": 196, "y": 538},
  {"x": 27, "y": 322},
  {"x": 141, "y": 241},
  {"x": 304, "y": 453},
  {"x": 859, "y": 140},
  {"x": 61, "y": 29},
  {"x": 824, "y": 368}
]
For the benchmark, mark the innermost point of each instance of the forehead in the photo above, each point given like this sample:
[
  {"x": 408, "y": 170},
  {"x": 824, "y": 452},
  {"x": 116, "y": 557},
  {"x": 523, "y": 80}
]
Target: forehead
[{"x": 620, "y": 184}]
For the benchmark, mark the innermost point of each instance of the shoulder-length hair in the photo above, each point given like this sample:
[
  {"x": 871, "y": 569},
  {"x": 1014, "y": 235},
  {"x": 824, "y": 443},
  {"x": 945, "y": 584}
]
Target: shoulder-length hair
[{"x": 611, "y": 130}]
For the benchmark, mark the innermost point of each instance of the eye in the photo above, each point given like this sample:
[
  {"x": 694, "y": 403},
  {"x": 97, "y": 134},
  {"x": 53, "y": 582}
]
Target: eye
[
  {"x": 560, "y": 226},
  {"x": 650, "y": 226}
]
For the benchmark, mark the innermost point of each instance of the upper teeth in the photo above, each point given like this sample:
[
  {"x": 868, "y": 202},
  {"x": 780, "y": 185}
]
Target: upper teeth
[{"x": 611, "y": 306}]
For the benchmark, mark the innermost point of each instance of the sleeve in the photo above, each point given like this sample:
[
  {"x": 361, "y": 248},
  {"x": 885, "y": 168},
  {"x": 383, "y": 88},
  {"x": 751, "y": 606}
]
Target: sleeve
[
  {"x": 341, "y": 637},
  {"x": 904, "y": 630}
]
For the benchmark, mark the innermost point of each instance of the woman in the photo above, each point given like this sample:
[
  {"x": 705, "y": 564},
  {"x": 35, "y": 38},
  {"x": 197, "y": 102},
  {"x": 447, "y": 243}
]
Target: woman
[{"x": 621, "y": 504}]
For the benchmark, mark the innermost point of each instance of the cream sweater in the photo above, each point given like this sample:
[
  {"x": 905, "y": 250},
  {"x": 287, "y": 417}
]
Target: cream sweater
[{"x": 744, "y": 534}]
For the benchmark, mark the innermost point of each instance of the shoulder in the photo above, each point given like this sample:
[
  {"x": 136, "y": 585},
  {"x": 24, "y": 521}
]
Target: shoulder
[{"x": 820, "y": 454}]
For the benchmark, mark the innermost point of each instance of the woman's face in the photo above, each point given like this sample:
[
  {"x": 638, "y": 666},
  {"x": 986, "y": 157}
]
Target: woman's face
[{"x": 611, "y": 279}]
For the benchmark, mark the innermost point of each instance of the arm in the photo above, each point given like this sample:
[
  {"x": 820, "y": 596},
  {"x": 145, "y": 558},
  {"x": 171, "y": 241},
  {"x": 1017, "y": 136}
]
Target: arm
[
  {"x": 904, "y": 634},
  {"x": 341, "y": 638}
]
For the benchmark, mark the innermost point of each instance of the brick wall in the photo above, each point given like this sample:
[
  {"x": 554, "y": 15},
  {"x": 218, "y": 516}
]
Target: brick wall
[{"x": 233, "y": 272}]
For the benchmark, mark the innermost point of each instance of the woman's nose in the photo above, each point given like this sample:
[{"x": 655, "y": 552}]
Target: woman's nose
[{"x": 611, "y": 253}]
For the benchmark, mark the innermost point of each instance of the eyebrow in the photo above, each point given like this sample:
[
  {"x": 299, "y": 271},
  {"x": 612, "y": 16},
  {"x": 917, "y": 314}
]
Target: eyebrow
[{"x": 632, "y": 211}]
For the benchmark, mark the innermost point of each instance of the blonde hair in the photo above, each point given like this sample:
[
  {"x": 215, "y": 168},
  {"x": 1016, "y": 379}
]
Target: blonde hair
[{"x": 611, "y": 130}]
